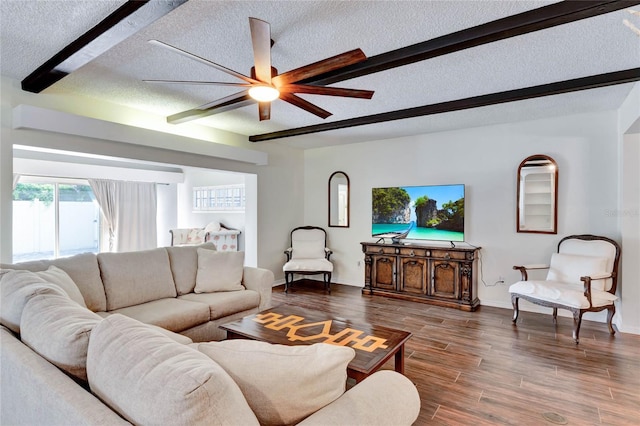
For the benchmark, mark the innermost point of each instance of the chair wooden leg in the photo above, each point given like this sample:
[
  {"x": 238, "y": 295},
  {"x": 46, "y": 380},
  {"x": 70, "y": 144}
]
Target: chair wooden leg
[
  {"x": 610, "y": 313},
  {"x": 555, "y": 315},
  {"x": 327, "y": 281},
  {"x": 577, "y": 320},
  {"x": 287, "y": 278},
  {"x": 516, "y": 311}
]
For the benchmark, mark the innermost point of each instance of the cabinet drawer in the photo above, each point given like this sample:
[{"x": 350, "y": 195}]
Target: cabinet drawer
[
  {"x": 447, "y": 254},
  {"x": 412, "y": 251},
  {"x": 380, "y": 250}
]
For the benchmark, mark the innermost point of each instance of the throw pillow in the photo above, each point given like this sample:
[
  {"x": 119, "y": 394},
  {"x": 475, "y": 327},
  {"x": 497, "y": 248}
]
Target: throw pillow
[
  {"x": 283, "y": 384},
  {"x": 212, "y": 227},
  {"x": 59, "y": 277},
  {"x": 149, "y": 379},
  {"x": 58, "y": 329},
  {"x": 219, "y": 271},
  {"x": 568, "y": 268},
  {"x": 16, "y": 288}
]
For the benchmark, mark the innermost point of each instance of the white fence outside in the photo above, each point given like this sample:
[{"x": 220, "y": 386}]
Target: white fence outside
[{"x": 34, "y": 229}]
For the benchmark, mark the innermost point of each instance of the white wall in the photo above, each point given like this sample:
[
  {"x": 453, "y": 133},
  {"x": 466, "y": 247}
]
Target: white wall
[
  {"x": 629, "y": 211},
  {"x": 168, "y": 213},
  {"x": 245, "y": 221},
  {"x": 485, "y": 160}
]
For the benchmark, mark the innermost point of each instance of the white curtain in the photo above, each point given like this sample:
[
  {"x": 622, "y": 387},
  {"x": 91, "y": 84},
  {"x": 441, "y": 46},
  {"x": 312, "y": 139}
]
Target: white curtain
[
  {"x": 16, "y": 178},
  {"x": 129, "y": 210}
]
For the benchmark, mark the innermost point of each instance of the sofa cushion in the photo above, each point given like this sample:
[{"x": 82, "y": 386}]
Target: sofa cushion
[
  {"x": 219, "y": 271},
  {"x": 184, "y": 265},
  {"x": 172, "y": 314},
  {"x": 16, "y": 288},
  {"x": 222, "y": 304},
  {"x": 568, "y": 268},
  {"x": 177, "y": 337},
  {"x": 149, "y": 379},
  {"x": 58, "y": 329},
  {"x": 83, "y": 270},
  {"x": 60, "y": 278},
  {"x": 136, "y": 277},
  {"x": 283, "y": 384}
]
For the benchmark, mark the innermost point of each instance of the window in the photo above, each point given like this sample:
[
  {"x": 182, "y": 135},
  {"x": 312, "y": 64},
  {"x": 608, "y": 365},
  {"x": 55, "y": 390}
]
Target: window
[
  {"x": 219, "y": 198},
  {"x": 54, "y": 218}
]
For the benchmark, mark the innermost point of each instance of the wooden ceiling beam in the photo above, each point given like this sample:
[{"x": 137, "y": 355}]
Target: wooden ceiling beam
[
  {"x": 127, "y": 20},
  {"x": 567, "y": 86},
  {"x": 511, "y": 26}
]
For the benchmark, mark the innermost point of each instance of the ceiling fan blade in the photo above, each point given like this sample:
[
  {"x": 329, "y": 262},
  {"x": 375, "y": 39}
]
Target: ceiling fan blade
[
  {"x": 328, "y": 91},
  {"x": 203, "y": 61},
  {"x": 305, "y": 105},
  {"x": 204, "y": 83},
  {"x": 264, "y": 110},
  {"x": 261, "y": 41},
  {"x": 320, "y": 67},
  {"x": 224, "y": 101},
  {"x": 227, "y": 103}
]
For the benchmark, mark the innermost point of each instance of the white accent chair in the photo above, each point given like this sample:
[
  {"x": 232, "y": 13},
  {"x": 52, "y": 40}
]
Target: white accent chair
[
  {"x": 308, "y": 255},
  {"x": 582, "y": 278}
]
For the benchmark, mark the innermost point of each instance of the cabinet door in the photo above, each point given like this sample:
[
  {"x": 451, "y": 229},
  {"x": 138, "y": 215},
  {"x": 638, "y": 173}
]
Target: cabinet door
[
  {"x": 383, "y": 272},
  {"x": 413, "y": 275},
  {"x": 445, "y": 279}
]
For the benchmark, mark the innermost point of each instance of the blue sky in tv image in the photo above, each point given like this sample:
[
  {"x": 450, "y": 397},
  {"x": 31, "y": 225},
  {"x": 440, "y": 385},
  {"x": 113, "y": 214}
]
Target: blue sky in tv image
[{"x": 442, "y": 194}]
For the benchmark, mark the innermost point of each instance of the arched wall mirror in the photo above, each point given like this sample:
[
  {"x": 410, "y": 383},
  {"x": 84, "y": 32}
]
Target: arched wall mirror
[
  {"x": 537, "y": 210},
  {"x": 339, "y": 200}
]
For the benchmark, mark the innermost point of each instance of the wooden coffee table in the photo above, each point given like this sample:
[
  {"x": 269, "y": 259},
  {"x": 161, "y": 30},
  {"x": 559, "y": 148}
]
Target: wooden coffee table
[{"x": 292, "y": 325}]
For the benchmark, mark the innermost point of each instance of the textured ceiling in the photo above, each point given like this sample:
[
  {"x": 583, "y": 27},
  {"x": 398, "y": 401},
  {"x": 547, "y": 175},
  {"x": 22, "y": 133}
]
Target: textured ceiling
[{"x": 308, "y": 31}]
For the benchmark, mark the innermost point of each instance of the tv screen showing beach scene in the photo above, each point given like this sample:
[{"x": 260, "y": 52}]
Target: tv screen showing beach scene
[{"x": 434, "y": 212}]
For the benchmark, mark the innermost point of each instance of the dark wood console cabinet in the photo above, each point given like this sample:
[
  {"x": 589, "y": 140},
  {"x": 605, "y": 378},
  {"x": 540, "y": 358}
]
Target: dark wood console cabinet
[{"x": 430, "y": 274}]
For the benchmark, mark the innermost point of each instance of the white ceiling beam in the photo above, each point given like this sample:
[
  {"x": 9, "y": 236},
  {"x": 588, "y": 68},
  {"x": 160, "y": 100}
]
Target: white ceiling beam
[{"x": 36, "y": 118}]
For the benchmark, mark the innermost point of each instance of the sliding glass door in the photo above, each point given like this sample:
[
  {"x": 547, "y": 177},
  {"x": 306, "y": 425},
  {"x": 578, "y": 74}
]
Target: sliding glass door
[{"x": 54, "y": 218}]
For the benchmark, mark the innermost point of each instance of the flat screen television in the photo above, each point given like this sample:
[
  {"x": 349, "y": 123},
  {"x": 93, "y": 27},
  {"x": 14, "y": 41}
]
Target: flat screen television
[{"x": 434, "y": 212}]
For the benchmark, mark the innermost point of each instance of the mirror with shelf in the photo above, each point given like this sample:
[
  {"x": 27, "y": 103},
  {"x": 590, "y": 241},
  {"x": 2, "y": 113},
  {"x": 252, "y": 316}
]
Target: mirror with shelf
[
  {"x": 339, "y": 200},
  {"x": 537, "y": 195}
]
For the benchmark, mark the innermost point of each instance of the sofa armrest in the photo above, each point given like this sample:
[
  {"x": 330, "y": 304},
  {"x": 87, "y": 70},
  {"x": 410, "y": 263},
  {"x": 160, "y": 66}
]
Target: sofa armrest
[
  {"x": 384, "y": 398},
  {"x": 260, "y": 280},
  {"x": 179, "y": 235}
]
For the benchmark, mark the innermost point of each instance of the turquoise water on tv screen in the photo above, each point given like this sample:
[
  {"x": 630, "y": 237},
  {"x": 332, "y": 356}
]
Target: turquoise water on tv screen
[{"x": 417, "y": 233}]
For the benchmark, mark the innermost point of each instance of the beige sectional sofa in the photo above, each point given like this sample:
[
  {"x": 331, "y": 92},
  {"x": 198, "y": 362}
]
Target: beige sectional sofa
[
  {"x": 105, "y": 340},
  {"x": 157, "y": 287}
]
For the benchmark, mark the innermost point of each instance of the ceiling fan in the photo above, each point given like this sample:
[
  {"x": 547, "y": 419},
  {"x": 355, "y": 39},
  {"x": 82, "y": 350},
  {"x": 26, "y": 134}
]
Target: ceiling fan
[{"x": 264, "y": 84}]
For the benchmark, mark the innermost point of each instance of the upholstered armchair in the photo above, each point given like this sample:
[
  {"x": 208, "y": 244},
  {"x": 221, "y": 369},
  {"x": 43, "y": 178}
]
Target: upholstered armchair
[
  {"x": 223, "y": 237},
  {"x": 308, "y": 254},
  {"x": 582, "y": 278}
]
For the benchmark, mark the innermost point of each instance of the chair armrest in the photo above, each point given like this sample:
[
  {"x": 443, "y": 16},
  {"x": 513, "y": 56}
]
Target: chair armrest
[
  {"x": 260, "y": 280},
  {"x": 524, "y": 268},
  {"x": 327, "y": 252},
  {"x": 587, "y": 283},
  {"x": 600, "y": 276},
  {"x": 288, "y": 252},
  {"x": 382, "y": 399}
]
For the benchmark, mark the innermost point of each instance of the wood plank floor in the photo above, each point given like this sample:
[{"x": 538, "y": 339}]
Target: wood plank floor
[{"x": 477, "y": 368}]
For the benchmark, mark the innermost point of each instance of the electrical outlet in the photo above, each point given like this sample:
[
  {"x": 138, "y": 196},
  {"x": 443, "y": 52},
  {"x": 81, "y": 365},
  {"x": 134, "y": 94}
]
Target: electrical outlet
[
  {"x": 500, "y": 279},
  {"x": 359, "y": 263}
]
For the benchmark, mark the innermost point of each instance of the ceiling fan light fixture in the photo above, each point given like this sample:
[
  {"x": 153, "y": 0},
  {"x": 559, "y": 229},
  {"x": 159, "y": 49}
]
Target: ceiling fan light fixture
[{"x": 264, "y": 93}]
